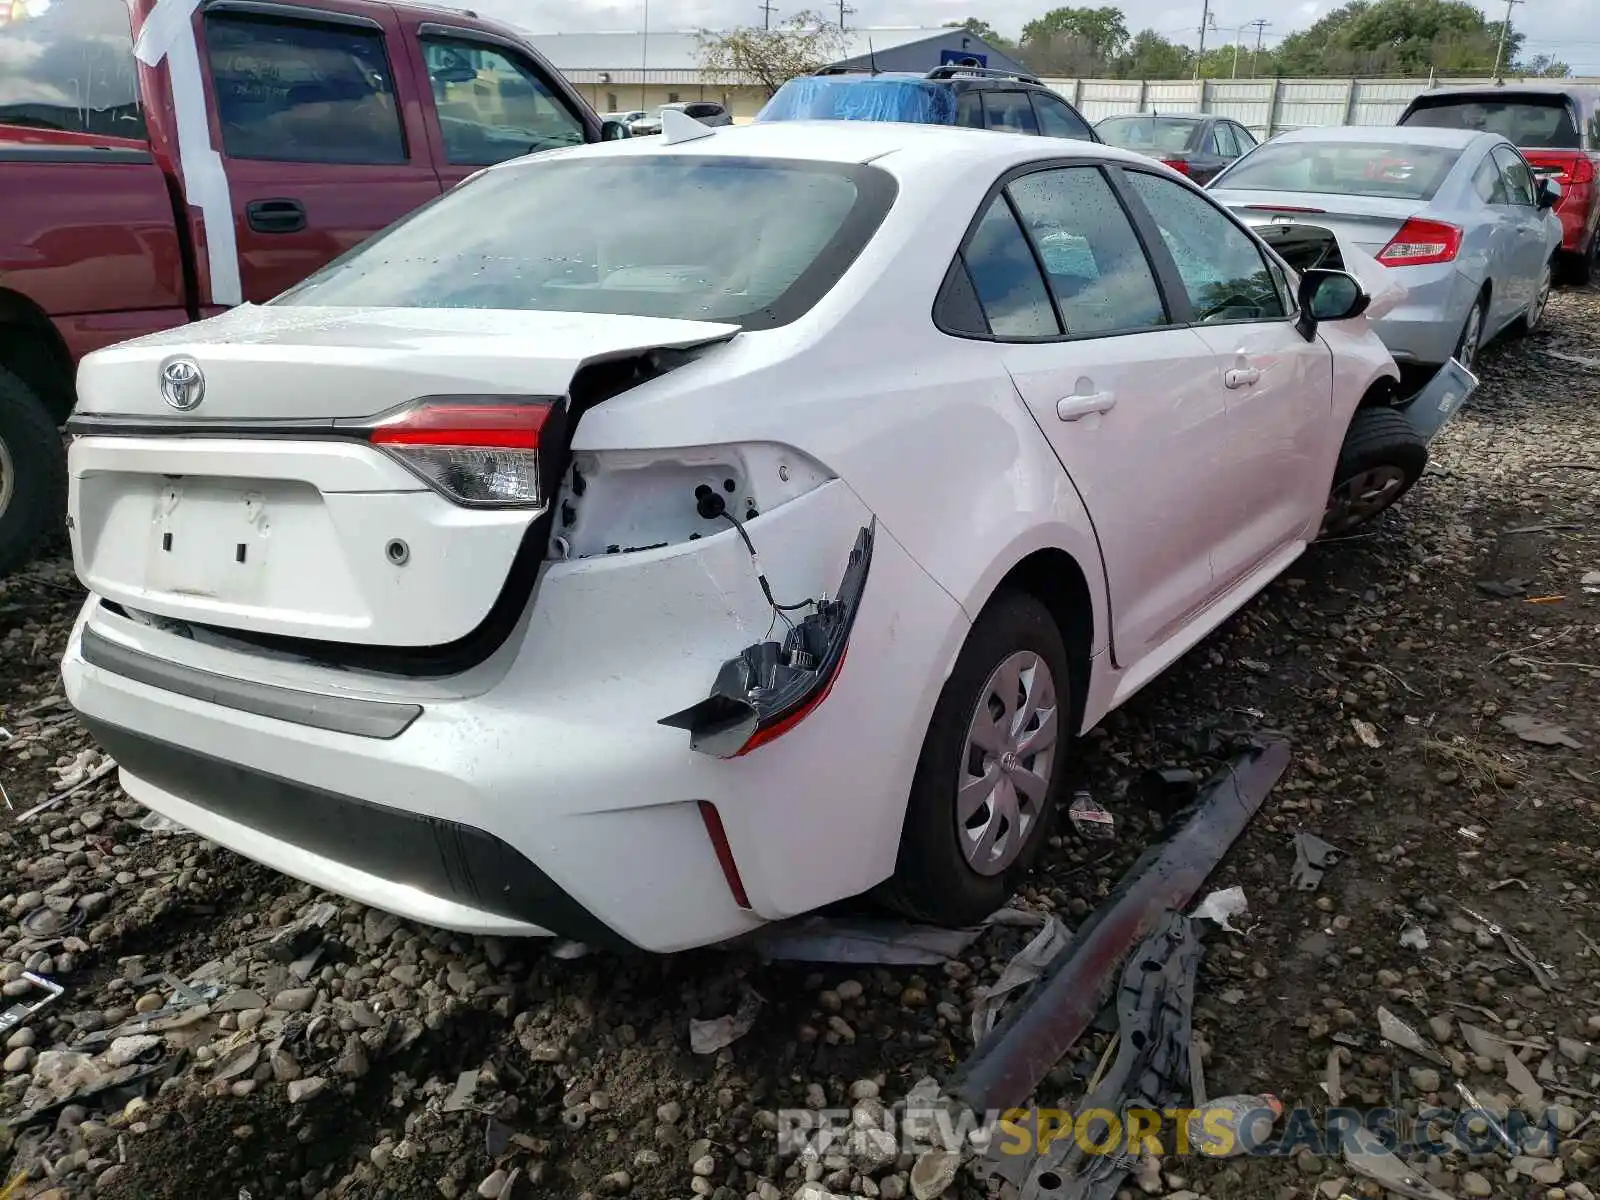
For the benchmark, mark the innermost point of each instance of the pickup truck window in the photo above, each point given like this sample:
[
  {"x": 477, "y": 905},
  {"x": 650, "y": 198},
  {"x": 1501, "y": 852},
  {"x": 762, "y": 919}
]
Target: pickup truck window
[
  {"x": 493, "y": 107},
  {"x": 69, "y": 65},
  {"x": 299, "y": 92}
]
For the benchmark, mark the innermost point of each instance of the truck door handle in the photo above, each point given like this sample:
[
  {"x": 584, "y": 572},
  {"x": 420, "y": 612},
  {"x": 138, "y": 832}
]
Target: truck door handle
[
  {"x": 276, "y": 216},
  {"x": 1075, "y": 408},
  {"x": 1242, "y": 377}
]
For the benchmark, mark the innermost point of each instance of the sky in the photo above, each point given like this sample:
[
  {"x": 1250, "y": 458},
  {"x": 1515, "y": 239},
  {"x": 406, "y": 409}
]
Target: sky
[{"x": 1570, "y": 29}]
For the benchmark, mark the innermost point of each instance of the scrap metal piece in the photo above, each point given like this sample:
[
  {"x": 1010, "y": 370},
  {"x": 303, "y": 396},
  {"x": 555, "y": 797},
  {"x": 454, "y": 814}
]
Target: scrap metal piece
[
  {"x": 24, "y": 1010},
  {"x": 1155, "y": 1004},
  {"x": 1474, "y": 1106},
  {"x": 1364, "y": 1154},
  {"x": 1005, "y": 1069},
  {"x": 1439, "y": 400},
  {"x": 1312, "y": 856},
  {"x": 1398, "y": 1033}
]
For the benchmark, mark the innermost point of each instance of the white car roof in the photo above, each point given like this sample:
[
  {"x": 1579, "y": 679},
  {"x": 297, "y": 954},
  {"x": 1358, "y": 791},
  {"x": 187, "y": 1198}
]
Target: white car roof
[{"x": 907, "y": 149}]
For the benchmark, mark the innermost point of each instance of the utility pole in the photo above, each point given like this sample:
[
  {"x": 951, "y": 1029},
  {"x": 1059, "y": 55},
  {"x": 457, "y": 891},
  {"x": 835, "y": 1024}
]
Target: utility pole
[
  {"x": 1505, "y": 28},
  {"x": 766, "y": 14},
  {"x": 1238, "y": 37},
  {"x": 1260, "y": 27},
  {"x": 842, "y": 11},
  {"x": 1205, "y": 20}
]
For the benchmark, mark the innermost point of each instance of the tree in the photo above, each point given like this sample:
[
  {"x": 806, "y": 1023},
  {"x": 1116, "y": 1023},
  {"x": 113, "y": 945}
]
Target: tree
[
  {"x": 1151, "y": 56},
  {"x": 977, "y": 28},
  {"x": 1546, "y": 66},
  {"x": 1075, "y": 41},
  {"x": 768, "y": 58},
  {"x": 1397, "y": 37}
]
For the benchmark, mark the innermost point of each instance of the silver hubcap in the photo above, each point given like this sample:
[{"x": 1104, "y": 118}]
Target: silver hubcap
[
  {"x": 1467, "y": 352},
  {"x": 1542, "y": 297},
  {"x": 8, "y": 477},
  {"x": 1005, "y": 770},
  {"x": 1358, "y": 500}
]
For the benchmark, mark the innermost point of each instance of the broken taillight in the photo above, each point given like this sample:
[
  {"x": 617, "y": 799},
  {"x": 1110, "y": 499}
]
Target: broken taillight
[
  {"x": 1420, "y": 242},
  {"x": 1180, "y": 165},
  {"x": 479, "y": 452}
]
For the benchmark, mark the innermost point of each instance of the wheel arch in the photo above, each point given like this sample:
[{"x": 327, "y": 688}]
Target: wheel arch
[{"x": 32, "y": 349}]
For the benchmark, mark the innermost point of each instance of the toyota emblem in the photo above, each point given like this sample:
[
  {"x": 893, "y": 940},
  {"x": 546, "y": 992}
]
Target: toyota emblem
[{"x": 183, "y": 384}]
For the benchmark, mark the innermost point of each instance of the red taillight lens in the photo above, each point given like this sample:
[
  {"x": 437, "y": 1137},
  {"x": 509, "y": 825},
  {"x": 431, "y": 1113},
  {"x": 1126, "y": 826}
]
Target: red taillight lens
[
  {"x": 476, "y": 453},
  {"x": 1568, "y": 167},
  {"x": 1180, "y": 165},
  {"x": 1421, "y": 242}
]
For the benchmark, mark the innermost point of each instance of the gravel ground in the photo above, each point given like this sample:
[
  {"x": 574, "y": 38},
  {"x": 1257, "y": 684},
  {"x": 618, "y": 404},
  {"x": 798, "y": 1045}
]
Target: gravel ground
[{"x": 346, "y": 1053}]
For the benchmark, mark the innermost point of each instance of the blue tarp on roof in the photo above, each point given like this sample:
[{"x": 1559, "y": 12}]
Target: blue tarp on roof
[{"x": 861, "y": 98}]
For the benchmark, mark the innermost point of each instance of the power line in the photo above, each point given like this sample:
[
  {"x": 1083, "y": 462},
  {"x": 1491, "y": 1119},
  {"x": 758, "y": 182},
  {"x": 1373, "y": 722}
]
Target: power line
[
  {"x": 1260, "y": 26},
  {"x": 1206, "y": 19},
  {"x": 843, "y": 10}
]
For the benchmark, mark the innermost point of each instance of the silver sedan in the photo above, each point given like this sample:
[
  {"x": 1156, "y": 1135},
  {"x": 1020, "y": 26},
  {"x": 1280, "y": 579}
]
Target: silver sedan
[{"x": 1458, "y": 214}]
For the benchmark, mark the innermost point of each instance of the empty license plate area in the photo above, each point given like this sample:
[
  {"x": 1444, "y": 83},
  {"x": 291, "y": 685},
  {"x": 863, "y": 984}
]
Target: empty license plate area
[{"x": 217, "y": 538}]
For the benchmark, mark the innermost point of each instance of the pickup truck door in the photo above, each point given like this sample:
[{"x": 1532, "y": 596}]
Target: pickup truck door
[
  {"x": 488, "y": 99},
  {"x": 310, "y": 109}
]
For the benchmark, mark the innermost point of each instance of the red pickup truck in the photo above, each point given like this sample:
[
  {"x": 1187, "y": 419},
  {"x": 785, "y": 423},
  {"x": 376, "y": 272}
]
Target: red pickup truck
[{"x": 161, "y": 160}]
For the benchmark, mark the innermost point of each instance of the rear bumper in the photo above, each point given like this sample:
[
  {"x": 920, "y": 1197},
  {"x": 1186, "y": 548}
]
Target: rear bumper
[
  {"x": 1424, "y": 328},
  {"x": 543, "y": 796}
]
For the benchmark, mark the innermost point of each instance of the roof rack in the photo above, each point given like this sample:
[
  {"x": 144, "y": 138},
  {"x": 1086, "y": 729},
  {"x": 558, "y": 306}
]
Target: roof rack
[
  {"x": 842, "y": 70},
  {"x": 952, "y": 70}
]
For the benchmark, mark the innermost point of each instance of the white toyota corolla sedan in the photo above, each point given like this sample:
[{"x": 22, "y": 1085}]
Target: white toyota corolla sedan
[{"x": 527, "y": 572}]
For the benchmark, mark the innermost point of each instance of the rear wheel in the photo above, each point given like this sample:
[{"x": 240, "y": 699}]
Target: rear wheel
[
  {"x": 1382, "y": 457},
  {"x": 1541, "y": 299},
  {"x": 1582, "y": 267},
  {"x": 1471, "y": 339},
  {"x": 33, "y": 473},
  {"x": 991, "y": 769}
]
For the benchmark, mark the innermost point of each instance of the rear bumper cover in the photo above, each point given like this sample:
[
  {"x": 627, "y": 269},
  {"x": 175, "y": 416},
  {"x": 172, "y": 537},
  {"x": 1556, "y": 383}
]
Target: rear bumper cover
[{"x": 550, "y": 760}]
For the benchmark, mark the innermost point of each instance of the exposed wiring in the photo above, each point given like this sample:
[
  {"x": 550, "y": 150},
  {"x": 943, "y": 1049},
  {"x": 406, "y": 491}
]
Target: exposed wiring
[
  {"x": 710, "y": 506},
  {"x": 761, "y": 577}
]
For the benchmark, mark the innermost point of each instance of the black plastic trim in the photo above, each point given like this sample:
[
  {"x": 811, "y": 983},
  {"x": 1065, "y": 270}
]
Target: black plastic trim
[
  {"x": 74, "y": 154},
  {"x": 337, "y": 714},
  {"x": 300, "y": 14},
  {"x": 441, "y": 857}
]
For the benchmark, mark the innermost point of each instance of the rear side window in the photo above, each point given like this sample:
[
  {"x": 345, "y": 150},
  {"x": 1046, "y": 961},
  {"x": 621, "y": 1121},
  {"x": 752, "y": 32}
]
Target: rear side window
[
  {"x": 1487, "y": 182},
  {"x": 1057, "y": 120},
  {"x": 1226, "y": 146},
  {"x": 1519, "y": 185},
  {"x": 1245, "y": 138},
  {"x": 969, "y": 110},
  {"x": 1097, "y": 270},
  {"x": 1009, "y": 112},
  {"x": 293, "y": 92},
  {"x": 1543, "y": 122},
  {"x": 69, "y": 65},
  {"x": 1006, "y": 277},
  {"x": 746, "y": 241}
]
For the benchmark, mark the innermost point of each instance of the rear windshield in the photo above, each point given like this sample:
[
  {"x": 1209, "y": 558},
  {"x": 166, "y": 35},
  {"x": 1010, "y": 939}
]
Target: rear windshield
[
  {"x": 1343, "y": 168},
  {"x": 750, "y": 241},
  {"x": 1537, "y": 123},
  {"x": 841, "y": 98},
  {"x": 1159, "y": 135},
  {"x": 68, "y": 65}
]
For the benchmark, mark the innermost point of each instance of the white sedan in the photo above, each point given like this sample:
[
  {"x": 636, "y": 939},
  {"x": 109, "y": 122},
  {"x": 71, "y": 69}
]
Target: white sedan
[{"x": 525, "y": 572}]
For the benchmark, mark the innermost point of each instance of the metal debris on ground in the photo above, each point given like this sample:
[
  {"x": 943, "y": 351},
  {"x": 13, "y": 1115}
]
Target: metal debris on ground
[
  {"x": 154, "y": 822},
  {"x": 1543, "y": 973},
  {"x": 1477, "y": 1109},
  {"x": 1522, "y": 1082},
  {"x": 1398, "y": 1033},
  {"x": 1246, "y": 1123},
  {"x": 1220, "y": 907},
  {"x": 568, "y": 950},
  {"x": 707, "y": 1037},
  {"x": 1154, "y": 1005},
  {"x": 1167, "y": 791},
  {"x": 1312, "y": 856},
  {"x": 1364, "y": 1153},
  {"x": 1090, "y": 819},
  {"x": 1027, "y": 965},
  {"x": 1540, "y": 733},
  {"x": 20, "y": 1013},
  {"x": 864, "y": 940},
  {"x": 1366, "y": 733}
]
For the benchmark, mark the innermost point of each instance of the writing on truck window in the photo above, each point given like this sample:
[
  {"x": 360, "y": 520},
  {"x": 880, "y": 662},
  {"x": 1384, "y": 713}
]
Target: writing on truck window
[{"x": 68, "y": 65}]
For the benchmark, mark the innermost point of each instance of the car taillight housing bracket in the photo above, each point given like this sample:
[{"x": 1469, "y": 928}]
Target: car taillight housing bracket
[{"x": 771, "y": 686}]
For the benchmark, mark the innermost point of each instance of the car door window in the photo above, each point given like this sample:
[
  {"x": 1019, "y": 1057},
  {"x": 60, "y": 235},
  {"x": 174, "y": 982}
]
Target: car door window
[
  {"x": 1096, "y": 268},
  {"x": 1009, "y": 112},
  {"x": 1246, "y": 139},
  {"x": 969, "y": 110},
  {"x": 1488, "y": 183},
  {"x": 493, "y": 106},
  {"x": 1518, "y": 180},
  {"x": 1006, "y": 277},
  {"x": 1056, "y": 119},
  {"x": 1226, "y": 146},
  {"x": 288, "y": 91},
  {"x": 1223, "y": 269}
]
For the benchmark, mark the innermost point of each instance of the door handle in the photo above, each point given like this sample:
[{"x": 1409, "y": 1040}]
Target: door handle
[
  {"x": 276, "y": 216},
  {"x": 1242, "y": 377},
  {"x": 1075, "y": 408}
]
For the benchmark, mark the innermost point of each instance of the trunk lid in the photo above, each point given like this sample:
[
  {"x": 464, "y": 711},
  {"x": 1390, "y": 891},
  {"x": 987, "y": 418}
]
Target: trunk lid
[
  {"x": 1367, "y": 222},
  {"x": 262, "y": 515}
]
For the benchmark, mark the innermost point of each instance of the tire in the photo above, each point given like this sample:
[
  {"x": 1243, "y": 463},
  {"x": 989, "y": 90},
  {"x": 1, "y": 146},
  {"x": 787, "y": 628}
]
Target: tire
[
  {"x": 1465, "y": 355},
  {"x": 1581, "y": 267},
  {"x": 935, "y": 878},
  {"x": 1382, "y": 457},
  {"x": 1533, "y": 317},
  {"x": 33, "y": 474}
]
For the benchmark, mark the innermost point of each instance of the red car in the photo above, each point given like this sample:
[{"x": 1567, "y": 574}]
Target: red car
[
  {"x": 161, "y": 161},
  {"x": 1556, "y": 125}
]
